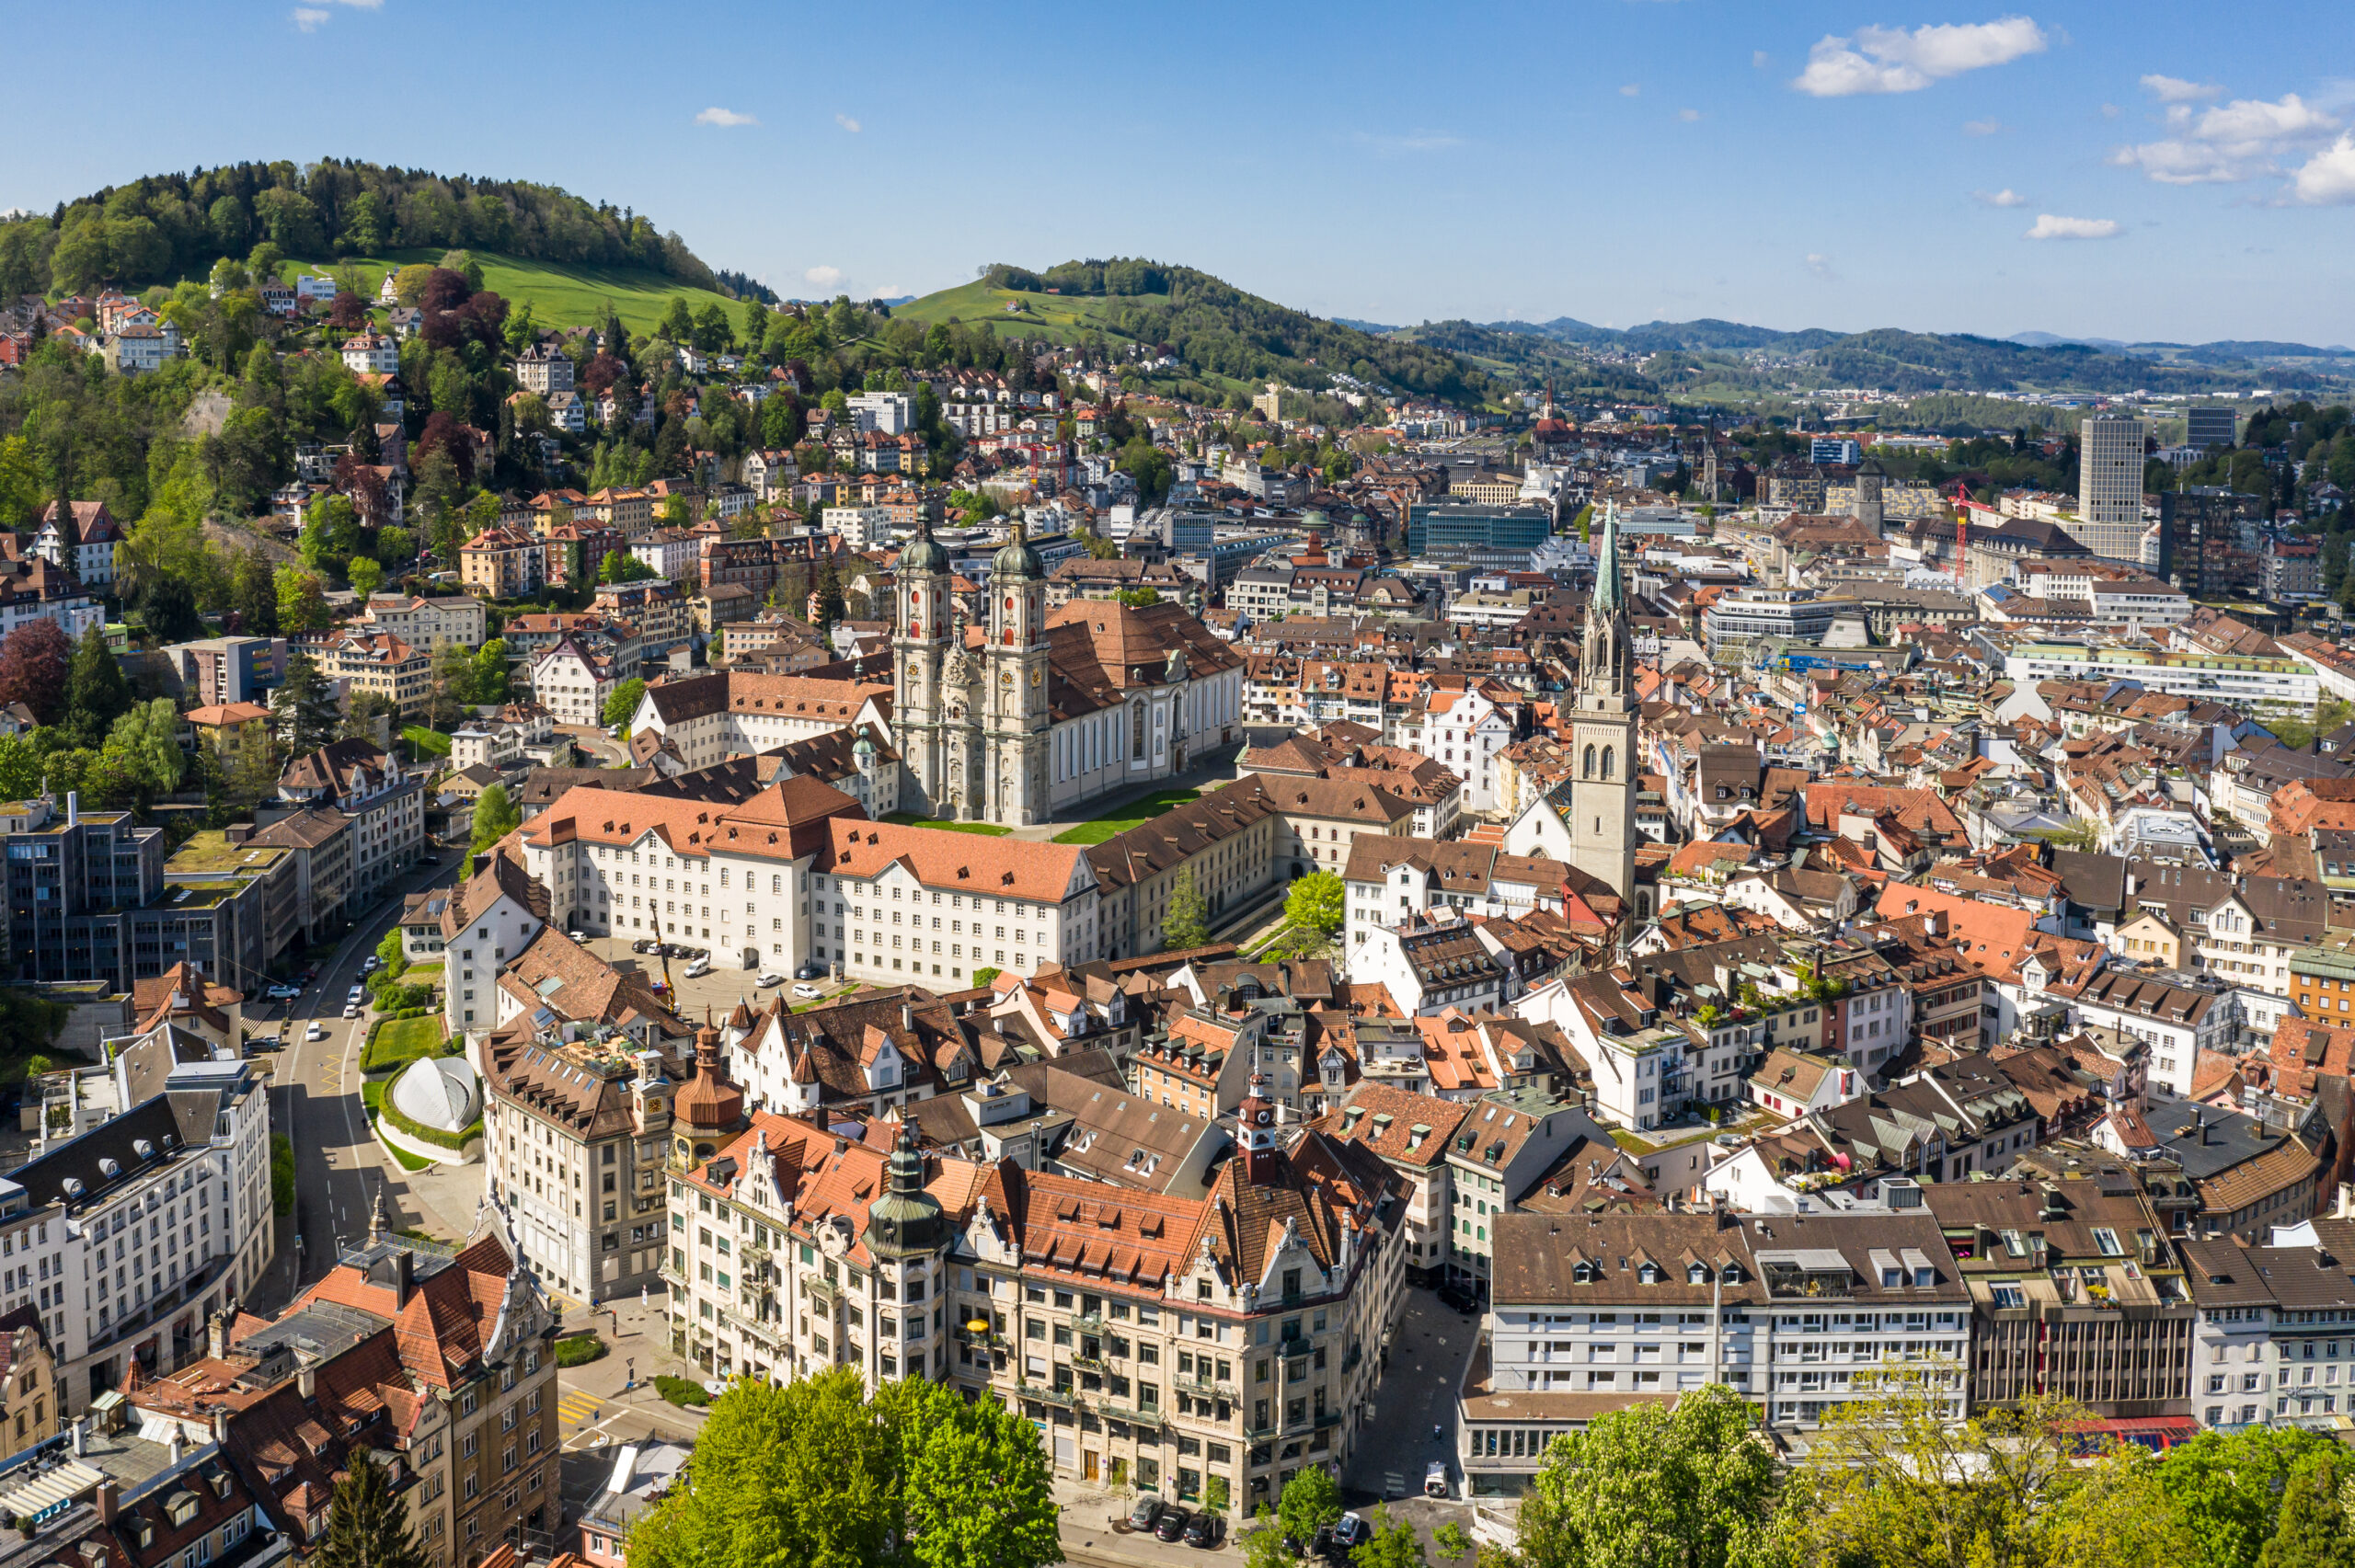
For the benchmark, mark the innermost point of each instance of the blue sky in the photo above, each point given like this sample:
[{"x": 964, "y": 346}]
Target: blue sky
[{"x": 2189, "y": 169}]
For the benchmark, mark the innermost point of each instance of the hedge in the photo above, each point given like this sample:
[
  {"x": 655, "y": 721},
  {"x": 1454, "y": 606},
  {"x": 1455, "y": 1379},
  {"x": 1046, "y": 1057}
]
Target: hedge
[
  {"x": 679, "y": 1391},
  {"x": 281, "y": 1174},
  {"x": 451, "y": 1140},
  {"x": 579, "y": 1350}
]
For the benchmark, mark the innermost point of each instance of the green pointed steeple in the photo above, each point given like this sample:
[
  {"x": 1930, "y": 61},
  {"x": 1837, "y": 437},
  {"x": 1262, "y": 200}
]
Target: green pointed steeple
[{"x": 1610, "y": 592}]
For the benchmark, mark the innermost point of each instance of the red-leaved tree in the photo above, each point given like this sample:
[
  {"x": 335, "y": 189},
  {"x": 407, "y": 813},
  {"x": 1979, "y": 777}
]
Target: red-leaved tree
[{"x": 33, "y": 664}]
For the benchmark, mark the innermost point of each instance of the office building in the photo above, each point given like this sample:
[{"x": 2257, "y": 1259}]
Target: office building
[
  {"x": 2210, "y": 543},
  {"x": 1834, "y": 448},
  {"x": 2108, "y": 521},
  {"x": 2211, "y": 427},
  {"x": 129, "y": 1238},
  {"x": 1497, "y": 537}
]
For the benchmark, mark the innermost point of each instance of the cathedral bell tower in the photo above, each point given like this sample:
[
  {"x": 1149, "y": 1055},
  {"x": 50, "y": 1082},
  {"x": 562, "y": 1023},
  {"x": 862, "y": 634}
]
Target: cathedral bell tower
[
  {"x": 1603, "y": 730},
  {"x": 1014, "y": 716},
  {"x": 920, "y": 654}
]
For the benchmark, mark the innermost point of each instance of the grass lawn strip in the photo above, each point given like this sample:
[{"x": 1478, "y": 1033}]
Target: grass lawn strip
[
  {"x": 1128, "y": 814},
  {"x": 990, "y": 830},
  {"x": 397, "y": 1042}
]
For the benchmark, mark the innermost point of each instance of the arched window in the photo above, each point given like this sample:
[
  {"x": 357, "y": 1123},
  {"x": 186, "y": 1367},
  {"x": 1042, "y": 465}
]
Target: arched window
[
  {"x": 1589, "y": 770},
  {"x": 1136, "y": 731},
  {"x": 1606, "y": 761}
]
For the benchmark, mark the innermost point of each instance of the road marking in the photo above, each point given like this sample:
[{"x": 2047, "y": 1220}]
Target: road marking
[{"x": 579, "y": 1407}]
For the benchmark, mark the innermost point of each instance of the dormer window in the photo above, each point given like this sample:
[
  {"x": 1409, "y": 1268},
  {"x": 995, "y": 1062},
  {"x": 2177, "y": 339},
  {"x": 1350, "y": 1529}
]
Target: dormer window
[
  {"x": 1649, "y": 1273},
  {"x": 1697, "y": 1275},
  {"x": 1583, "y": 1272}
]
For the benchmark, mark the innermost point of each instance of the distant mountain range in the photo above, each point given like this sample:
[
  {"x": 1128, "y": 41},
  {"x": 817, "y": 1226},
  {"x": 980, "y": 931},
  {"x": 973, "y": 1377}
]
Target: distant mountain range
[{"x": 1710, "y": 334}]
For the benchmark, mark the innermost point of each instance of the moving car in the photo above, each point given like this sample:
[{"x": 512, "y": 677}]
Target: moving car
[
  {"x": 1147, "y": 1514},
  {"x": 351, "y": 1010},
  {"x": 804, "y": 991},
  {"x": 356, "y": 995},
  {"x": 1173, "y": 1525},
  {"x": 1435, "y": 1479},
  {"x": 317, "y": 1031},
  {"x": 769, "y": 978},
  {"x": 283, "y": 993},
  {"x": 699, "y": 969},
  {"x": 1206, "y": 1530}
]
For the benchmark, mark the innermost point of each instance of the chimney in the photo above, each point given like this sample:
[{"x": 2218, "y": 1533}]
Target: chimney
[
  {"x": 107, "y": 1494},
  {"x": 908, "y": 1013},
  {"x": 216, "y": 1335},
  {"x": 73, "y": 808},
  {"x": 178, "y": 1446},
  {"x": 81, "y": 1438}
]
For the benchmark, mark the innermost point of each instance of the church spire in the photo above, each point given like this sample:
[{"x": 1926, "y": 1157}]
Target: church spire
[{"x": 1610, "y": 591}]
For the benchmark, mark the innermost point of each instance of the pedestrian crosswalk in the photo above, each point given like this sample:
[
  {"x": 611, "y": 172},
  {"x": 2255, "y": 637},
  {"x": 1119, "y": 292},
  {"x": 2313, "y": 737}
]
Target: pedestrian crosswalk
[{"x": 578, "y": 1408}]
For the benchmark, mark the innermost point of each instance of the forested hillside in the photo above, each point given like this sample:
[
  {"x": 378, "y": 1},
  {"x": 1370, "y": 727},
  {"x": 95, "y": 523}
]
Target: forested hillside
[{"x": 167, "y": 227}]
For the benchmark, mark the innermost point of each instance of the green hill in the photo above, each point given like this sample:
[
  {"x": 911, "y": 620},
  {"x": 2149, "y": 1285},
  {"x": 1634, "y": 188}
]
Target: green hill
[
  {"x": 1215, "y": 329},
  {"x": 560, "y": 293}
]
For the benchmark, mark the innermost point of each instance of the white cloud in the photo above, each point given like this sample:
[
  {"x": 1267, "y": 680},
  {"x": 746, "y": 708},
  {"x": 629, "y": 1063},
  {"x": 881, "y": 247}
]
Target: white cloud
[
  {"x": 1981, "y": 127},
  {"x": 1821, "y": 266},
  {"x": 2224, "y": 142},
  {"x": 2007, "y": 197},
  {"x": 822, "y": 277},
  {"x": 724, "y": 117},
  {"x": 2048, "y": 226},
  {"x": 310, "y": 19},
  {"x": 2109, "y": 111},
  {"x": 2327, "y": 179},
  {"x": 1758, "y": 59},
  {"x": 847, "y": 123},
  {"x": 1688, "y": 115},
  {"x": 1892, "y": 60},
  {"x": 2174, "y": 89},
  {"x": 1632, "y": 89}
]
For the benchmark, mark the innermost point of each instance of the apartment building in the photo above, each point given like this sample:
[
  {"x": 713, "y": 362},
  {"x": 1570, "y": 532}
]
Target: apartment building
[
  {"x": 2073, "y": 1291},
  {"x": 544, "y": 368},
  {"x": 1796, "y": 1313},
  {"x": 384, "y": 800},
  {"x": 573, "y": 680},
  {"x": 2274, "y": 1342},
  {"x": 2108, "y": 519},
  {"x": 433, "y": 625},
  {"x": 1172, "y": 1344},
  {"x": 712, "y": 716},
  {"x": 440, "y": 1361},
  {"x": 382, "y": 665},
  {"x": 123, "y": 1241},
  {"x": 502, "y": 563}
]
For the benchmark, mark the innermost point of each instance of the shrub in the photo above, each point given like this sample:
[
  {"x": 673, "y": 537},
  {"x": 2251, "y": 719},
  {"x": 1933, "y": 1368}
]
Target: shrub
[
  {"x": 679, "y": 1391},
  {"x": 282, "y": 1172},
  {"x": 578, "y": 1349},
  {"x": 423, "y": 1134},
  {"x": 984, "y": 976}
]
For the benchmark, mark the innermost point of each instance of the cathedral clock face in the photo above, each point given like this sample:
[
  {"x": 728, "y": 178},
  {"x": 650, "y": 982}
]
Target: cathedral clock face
[
  {"x": 1262, "y": 1118},
  {"x": 1005, "y": 680}
]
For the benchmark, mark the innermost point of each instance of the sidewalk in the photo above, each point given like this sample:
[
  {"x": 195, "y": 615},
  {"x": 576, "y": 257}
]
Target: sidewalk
[{"x": 1089, "y": 1535}]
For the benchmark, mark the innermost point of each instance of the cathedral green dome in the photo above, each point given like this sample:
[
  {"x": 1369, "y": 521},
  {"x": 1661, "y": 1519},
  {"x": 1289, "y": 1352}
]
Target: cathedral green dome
[
  {"x": 1018, "y": 561},
  {"x": 924, "y": 557}
]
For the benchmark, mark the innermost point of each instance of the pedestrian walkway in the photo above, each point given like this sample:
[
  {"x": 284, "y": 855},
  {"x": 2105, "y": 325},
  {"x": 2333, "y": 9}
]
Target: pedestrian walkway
[{"x": 578, "y": 1408}]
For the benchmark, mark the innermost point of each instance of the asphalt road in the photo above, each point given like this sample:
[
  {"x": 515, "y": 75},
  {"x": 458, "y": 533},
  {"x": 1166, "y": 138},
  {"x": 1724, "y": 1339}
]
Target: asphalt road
[{"x": 316, "y": 1102}]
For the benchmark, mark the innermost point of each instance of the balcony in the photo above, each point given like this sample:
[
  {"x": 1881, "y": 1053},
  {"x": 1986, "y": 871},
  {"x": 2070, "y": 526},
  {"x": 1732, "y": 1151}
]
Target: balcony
[
  {"x": 1065, "y": 1396},
  {"x": 1089, "y": 1323},
  {"x": 1208, "y": 1388}
]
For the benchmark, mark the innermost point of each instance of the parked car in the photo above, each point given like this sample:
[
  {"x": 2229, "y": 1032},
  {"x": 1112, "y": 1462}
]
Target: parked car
[
  {"x": 1351, "y": 1533},
  {"x": 811, "y": 969},
  {"x": 1458, "y": 1300},
  {"x": 699, "y": 969},
  {"x": 356, "y": 993},
  {"x": 643, "y": 945},
  {"x": 1147, "y": 1514},
  {"x": 1173, "y": 1524},
  {"x": 317, "y": 1031},
  {"x": 369, "y": 965},
  {"x": 351, "y": 1010},
  {"x": 261, "y": 1043},
  {"x": 1435, "y": 1479},
  {"x": 283, "y": 993},
  {"x": 805, "y": 992},
  {"x": 769, "y": 978},
  {"x": 581, "y": 937},
  {"x": 1206, "y": 1530}
]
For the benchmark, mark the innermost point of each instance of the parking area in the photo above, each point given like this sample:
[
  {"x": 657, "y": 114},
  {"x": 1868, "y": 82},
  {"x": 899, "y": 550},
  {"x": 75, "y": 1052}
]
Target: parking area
[
  {"x": 1418, "y": 1392},
  {"x": 719, "y": 991}
]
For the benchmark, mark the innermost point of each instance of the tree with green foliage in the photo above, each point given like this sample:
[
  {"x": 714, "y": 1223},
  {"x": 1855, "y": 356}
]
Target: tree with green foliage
[
  {"x": 622, "y": 566},
  {"x": 1187, "y": 922},
  {"x": 1317, "y": 903},
  {"x": 144, "y": 744},
  {"x": 624, "y": 701},
  {"x": 368, "y": 1523},
  {"x": 496, "y": 816},
  {"x": 167, "y": 606},
  {"x": 490, "y": 672},
  {"x": 1138, "y": 598},
  {"x": 281, "y": 1174},
  {"x": 2229, "y": 1489},
  {"x": 1310, "y": 1501},
  {"x": 678, "y": 322},
  {"x": 303, "y": 707},
  {"x": 816, "y": 1474},
  {"x": 392, "y": 953},
  {"x": 1691, "y": 1486},
  {"x": 1452, "y": 1543},
  {"x": 95, "y": 690},
  {"x": 2317, "y": 1524},
  {"x": 302, "y": 602},
  {"x": 1263, "y": 1543},
  {"x": 982, "y": 977},
  {"x": 1394, "y": 1543},
  {"x": 363, "y": 575}
]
